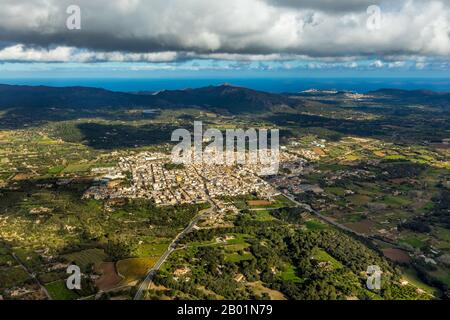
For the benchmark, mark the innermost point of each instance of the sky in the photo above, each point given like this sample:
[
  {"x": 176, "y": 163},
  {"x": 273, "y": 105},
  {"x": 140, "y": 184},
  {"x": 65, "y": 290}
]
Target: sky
[{"x": 245, "y": 38}]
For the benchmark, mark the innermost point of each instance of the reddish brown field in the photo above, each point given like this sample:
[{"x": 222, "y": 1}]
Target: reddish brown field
[
  {"x": 364, "y": 226},
  {"x": 257, "y": 203},
  {"x": 440, "y": 146},
  {"x": 109, "y": 278},
  {"x": 22, "y": 177},
  {"x": 319, "y": 151},
  {"x": 397, "y": 255}
]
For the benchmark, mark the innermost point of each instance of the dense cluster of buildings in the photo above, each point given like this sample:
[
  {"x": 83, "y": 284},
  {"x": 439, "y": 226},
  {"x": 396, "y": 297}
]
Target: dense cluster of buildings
[{"x": 153, "y": 176}]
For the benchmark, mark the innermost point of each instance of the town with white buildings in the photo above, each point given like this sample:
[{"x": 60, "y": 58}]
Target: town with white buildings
[{"x": 153, "y": 176}]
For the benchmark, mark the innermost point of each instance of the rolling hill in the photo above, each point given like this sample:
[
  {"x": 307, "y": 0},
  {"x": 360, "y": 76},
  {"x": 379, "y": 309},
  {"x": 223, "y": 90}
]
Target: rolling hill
[{"x": 224, "y": 98}]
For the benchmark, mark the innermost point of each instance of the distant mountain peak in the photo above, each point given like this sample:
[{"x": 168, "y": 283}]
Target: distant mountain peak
[
  {"x": 225, "y": 97},
  {"x": 227, "y": 84}
]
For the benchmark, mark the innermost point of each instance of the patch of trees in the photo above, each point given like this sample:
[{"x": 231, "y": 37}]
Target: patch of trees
[
  {"x": 107, "y": 137},
  {"x": 290, "y": 215},
  {"x": 211, "y": 272},
  {"x": 398, "y": 170},
  {"x": 440, "y": 214},
  {"x": 418, "y": 224},
  {"x": 423, "y": 270},
  {"x": 203, "y": 235},
  {"x": 441, "y": 210},
  {"x": 275, "y": 245},
  {"x": 174, "y": 216},
  {"x": 118, "y": 250},
  {"x": 173, "y": 166}
]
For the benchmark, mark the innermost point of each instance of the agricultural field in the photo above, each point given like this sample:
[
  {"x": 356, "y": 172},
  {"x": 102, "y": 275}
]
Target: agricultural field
[
  {"x": 241, "y": 254},
  {"x": 386, "y": 191},
  {"x": 134, "y": 269},
  {"x": 59, "y": 291},
  {"x": 47, "y": 225},
  {"x": 86, "y": 258},
  {"x": 378, "y": 190}
]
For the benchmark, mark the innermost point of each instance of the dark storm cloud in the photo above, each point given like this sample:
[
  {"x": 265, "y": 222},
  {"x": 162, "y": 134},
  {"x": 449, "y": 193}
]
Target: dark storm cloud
[
  {"x": 161, "y": 30},
  {"x": 338, "y": 6}
]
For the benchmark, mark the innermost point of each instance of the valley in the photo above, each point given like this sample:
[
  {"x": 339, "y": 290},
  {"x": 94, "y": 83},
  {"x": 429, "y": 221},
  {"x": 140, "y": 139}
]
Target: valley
[{"x": 88, "y": 182}]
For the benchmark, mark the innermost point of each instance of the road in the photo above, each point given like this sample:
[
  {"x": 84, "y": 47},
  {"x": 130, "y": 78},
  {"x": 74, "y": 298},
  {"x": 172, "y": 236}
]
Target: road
[
  {"x": 202, "y": 214},
  {"x": 32, "y": 275},
  {"x": 172, "y": 247},
  {"x": 340, "y": 226},
  {"x": 325, "y": 218},
  {"x": 151, "y": 273}
]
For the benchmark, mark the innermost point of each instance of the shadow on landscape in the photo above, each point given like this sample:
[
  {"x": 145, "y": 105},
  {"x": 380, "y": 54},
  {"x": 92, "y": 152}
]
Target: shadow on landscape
[
  {"x": 107, "y": 137},
  {"x": 18, "y": 118},
  {"x": 389, "y": 128}
]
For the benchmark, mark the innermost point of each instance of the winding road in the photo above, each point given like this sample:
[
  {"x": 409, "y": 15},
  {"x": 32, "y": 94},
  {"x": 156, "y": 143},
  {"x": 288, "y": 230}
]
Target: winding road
[
  {"x": 151, "y": 273},
  {"x": 173, "y": 246}
]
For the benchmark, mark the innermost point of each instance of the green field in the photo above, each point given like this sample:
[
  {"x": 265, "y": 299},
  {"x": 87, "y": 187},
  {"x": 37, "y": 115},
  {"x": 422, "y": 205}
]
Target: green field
[
  {"x": 14, "y": 276},
  {"x": 135, "y": 268},
  {"x": 315, "y": 225},
  {"x": 152, "y": 249},
  {"x": 336, "y": 191},
  {"x": 6, "y": 260},
  {"x": 263, "y": 215},
  {"x": 282, "y": 202},
  {"x": 79, "y": 167},
  {"x": 29, "y": 258},
  {"x": 415, "y": 241},
  {"x": 56, "y": 169},
  {"x": 237, "y": 243},
  {"x": 359, "y": 200},
  {"x": 86, "y": 257},
  {"x": 442, "y": 275},
  {"x": 236, "y": 257},
  {"x": 322, "y": 256},
  {"x": 396, "y": 201},
  {"x": 59, "y": 291},
  {"x": 289, "y": 274},
  {"x": 411, "y": 276}
]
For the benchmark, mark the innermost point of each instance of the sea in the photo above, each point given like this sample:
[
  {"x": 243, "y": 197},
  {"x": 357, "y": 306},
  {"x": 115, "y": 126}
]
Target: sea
[{"x": 275, "y": 85}]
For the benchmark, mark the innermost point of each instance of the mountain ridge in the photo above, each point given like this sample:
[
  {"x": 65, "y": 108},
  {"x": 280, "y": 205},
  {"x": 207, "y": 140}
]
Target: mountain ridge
[{"x": 224, "y": 97}]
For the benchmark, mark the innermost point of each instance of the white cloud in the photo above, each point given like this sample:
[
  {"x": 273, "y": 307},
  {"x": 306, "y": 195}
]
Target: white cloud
[
  {"x": 396, "y": 64},
  {"x": 161, "y": 30},
  {"x": 420, "y": 65},
  {"x": 20, "y": 53},
  {"x": 377, "y": 64}
]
